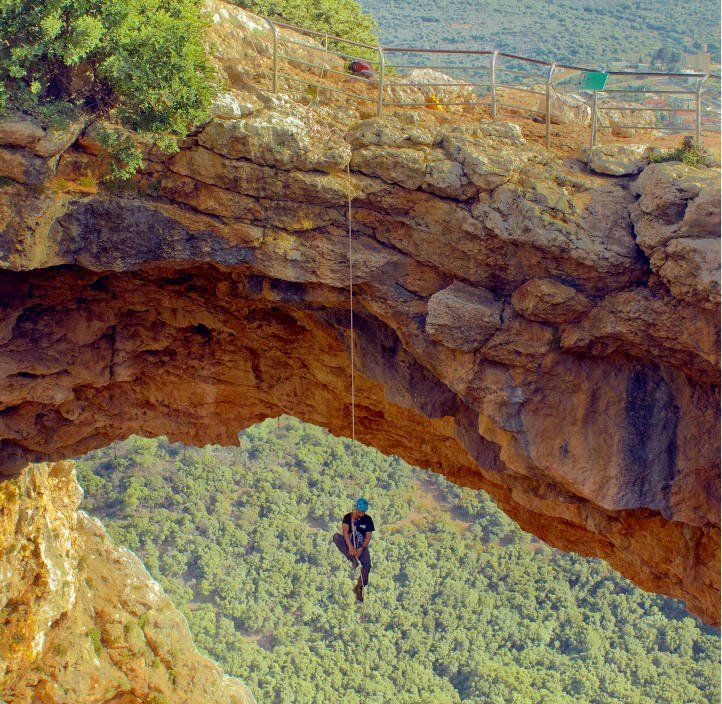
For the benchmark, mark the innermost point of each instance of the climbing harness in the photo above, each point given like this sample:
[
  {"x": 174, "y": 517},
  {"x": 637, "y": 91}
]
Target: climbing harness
[{"x": 357, "y": 542}]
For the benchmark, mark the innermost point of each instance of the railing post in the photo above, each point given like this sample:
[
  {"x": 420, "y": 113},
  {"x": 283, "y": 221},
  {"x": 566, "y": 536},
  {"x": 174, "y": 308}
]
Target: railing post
[
  {"x": 594, "y": 129},
  {"x": 549, "y": 105},
  {"x": 698, "y": 107},
  {"x": 274, "y": 31},
  {"x": 492, "y": 78},
  {"x": 382, "y": 69}
]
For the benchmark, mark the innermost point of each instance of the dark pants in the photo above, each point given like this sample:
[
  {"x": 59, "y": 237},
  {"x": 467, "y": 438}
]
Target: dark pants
[{"x": 364, "y": 558}]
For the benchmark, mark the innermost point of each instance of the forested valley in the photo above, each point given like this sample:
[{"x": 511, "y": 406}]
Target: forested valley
[
  {"x": 588, "y": 33},
  {"x": 462, "y": 605}
]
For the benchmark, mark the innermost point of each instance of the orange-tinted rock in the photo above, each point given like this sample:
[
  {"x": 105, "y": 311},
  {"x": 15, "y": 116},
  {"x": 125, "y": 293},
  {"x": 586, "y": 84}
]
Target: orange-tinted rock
[
  {"x": 284, "y": 138},
  {"x": 80, "y": 618},
  {"x": 549, "y": 301},
  {"x": 650, "y": 325},
  {"x": 45, "y": 143},
  {"x": 576, "y": 449},
  {"x": 677, "y": 220},
  {"x": 462, "y": 317},
  {"x": 216, "y": 295},
  {"x": 23, "y": 166},
  {"x": 519, "y": 342}
]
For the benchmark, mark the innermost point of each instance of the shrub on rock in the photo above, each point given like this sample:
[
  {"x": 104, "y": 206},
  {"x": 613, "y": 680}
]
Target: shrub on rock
[{"x": 141, "y": 60}]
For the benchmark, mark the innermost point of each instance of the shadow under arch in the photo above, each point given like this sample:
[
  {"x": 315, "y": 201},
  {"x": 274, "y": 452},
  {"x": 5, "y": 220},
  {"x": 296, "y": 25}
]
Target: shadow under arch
[{"x": 195, "y": 353}]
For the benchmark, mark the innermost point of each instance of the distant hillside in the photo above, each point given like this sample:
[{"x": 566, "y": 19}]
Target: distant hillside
[
  {"x": 463, "y": 608},
  {"x": 587, "y": 32}
]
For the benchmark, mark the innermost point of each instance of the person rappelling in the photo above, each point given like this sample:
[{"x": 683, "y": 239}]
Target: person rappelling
[
  {"x": 356, "y": 526},
  {"x": 353, "y": 542}
]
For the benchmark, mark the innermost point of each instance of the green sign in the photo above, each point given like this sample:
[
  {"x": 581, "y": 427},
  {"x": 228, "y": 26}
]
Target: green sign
[{"x": 594, "y": 80}]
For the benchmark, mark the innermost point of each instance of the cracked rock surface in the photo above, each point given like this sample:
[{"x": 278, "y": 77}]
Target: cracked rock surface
[
  {"x": 521, "y": 326},
  {"x": 80, "y": 618}
]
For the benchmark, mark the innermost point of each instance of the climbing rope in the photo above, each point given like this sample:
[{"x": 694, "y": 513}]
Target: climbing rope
[
  {"x": 350, "y": 299},
  {"x": 349, "y": 220},
  {"x": 349, "y": 229}
]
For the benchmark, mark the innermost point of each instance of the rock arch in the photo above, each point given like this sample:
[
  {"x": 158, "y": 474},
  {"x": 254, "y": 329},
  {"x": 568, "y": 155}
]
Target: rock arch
[{"x": 522, "y": 326}]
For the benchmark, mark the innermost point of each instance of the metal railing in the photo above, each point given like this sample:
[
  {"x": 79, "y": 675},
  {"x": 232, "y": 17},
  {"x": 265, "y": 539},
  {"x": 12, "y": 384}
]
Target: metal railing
[
  {"x": 695, "y": 82},
  {"x": 493, "y": 79},
  {"x": 280, "y": 46}
]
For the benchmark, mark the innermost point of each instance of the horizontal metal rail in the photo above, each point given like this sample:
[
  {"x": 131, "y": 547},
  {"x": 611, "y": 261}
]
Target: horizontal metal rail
[
  {"x": 526, "y": 108},
  {"x": 658, "y": 74},
  {"x": 324, "y": 86},
  {"x": 438, "y": 85},
  {"x": 324, "y": 50},
  {"x": 445, "y": 67},
  {"x": 426, "y": 105},
  {"x": 312, "y": 47},
  {"x": 460, "y": 52},
  {"x": 507, "y": 86},
  {"x": 517, "y": 72},
  {"x": 645, "y": 90},
  {"x": 678, "y": 128},
  {"x": 317, "y": 33},
  {"x": 643, "y": 108},
  {"x": 322, "y": 67}
]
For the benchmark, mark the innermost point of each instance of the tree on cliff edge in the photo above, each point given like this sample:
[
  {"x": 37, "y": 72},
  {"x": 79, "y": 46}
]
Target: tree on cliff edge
[{"x": 142, "y": 59}]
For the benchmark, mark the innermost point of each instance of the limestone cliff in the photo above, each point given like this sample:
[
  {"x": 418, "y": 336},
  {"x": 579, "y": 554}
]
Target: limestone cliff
[
  {"x": 81, "y": 621},
  {"x": 521, "y": 325}
]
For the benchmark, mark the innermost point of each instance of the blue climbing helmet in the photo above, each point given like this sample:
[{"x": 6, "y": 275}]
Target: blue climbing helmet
[{"x": 361, "y": 504}]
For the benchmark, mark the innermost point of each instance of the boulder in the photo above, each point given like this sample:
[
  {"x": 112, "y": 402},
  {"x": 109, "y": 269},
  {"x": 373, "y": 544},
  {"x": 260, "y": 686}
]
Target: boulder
[
  {"x": 286, "y": 139},
  {"x": 549, "y": 301},
  {"x": 702, "y": 215},
  {"x": 677, "y": 224},
  {"x": 45, "y": 143},
  {"x": 400, "y": 129},
  {"x": 233, "y": 104},
  {"x": 691, "y": 269},
  {"x": 463, "y": 317},
  {"x": 485, "y": 165},
  {"x": 407, "y": 167},
  {"x": 23, "y": 166},
  {"x": 518, "y": 342},
  {"x": 565, "y": 108},
  {"x": 426, "y": 84},
  {"x": 627, "y": 122},
  {"x": 652, "y": 325},
  {"x": 616, "y": 159}
]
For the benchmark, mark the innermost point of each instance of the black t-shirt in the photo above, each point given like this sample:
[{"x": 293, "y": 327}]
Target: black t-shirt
[{"x": 358, "y": 530}]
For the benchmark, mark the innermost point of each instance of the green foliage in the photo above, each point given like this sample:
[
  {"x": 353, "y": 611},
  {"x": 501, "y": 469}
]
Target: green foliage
[
  {"x": 463, "y": 607},
  {"x": 158, "y": 64},
  {"x": 666, "y": 59},
  {"x": 592, "y": 32},
  {"x": 343, "y": 18},
  {"x": 143, "y": 60},
  {"x": 125, "y": 156},
  {"x": 94, "y": 636},
  {"x": 688, "y": 153},
  {"x": 157, "y": 699}
]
